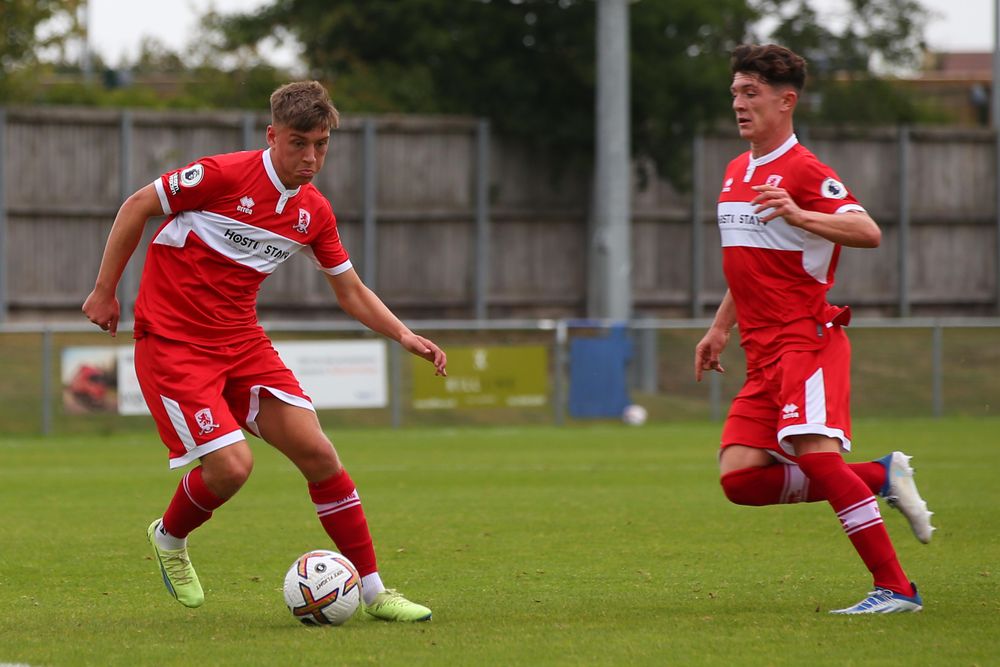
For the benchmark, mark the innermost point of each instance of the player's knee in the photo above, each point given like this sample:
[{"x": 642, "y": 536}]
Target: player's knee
[
  {"x": 738, "y": 487},
  {"x": 318, "y": 461},
  {"x": 225, "y": 475}
]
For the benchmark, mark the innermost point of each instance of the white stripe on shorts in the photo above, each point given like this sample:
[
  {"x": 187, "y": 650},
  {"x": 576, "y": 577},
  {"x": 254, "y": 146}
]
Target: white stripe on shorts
[{"x": 816, "y": 398}]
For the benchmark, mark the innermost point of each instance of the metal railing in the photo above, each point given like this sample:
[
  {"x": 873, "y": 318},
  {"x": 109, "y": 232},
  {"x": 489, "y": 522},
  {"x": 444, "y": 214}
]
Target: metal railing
[{"x": 646, "y": 374}]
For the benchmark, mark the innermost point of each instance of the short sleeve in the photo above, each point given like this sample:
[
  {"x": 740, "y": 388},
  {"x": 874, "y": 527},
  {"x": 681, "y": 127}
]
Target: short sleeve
[
  {"x": 327, "y": 250},
  {"x": 190, "y": 188},
  {"x": 819, "y": 188}
]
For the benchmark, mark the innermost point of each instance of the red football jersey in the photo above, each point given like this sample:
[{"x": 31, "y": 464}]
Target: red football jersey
[
  {"x": 778, "y": 274},
  {"x": 231, "y": 223}
]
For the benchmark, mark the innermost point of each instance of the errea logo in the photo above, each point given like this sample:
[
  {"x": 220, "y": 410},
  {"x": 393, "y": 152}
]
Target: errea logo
[
  {"x": 246, "y": 205},
  {"x": 790, "y": 411}
]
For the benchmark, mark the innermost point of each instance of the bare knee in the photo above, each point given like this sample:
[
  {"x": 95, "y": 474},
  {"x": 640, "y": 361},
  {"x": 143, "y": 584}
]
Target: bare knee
[
  {"x": 226, "y": 470},
  {"x": 317, "y": 462}
]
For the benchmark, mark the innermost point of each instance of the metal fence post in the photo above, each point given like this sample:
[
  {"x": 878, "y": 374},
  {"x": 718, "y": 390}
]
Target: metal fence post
[
  {"x": 646, "y": 360},
  {"x": 937, "y": 370},
  {"x": 368, "y": 219},
  {"x": 47, "y": 380},
  {"x": 396, "y": 384},
  {"x": 559, "y": 373},
  {"x": 715, "y": 395},
  {"x": 482, "y": 258}
]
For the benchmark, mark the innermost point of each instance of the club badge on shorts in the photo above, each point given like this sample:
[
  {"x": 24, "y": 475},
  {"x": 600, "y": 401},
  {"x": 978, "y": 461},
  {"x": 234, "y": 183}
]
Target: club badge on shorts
[{"x": 205, "y": 421}]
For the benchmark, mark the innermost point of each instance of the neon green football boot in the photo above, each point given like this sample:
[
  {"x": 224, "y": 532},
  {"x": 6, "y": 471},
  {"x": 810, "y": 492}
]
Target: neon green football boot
[
  {"x": 178, "y": 574},
  {"x": 390, "y": 605}
]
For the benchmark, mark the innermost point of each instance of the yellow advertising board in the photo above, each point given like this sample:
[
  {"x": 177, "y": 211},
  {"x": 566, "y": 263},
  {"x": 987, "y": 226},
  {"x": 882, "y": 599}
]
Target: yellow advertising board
[{"x": 485, "y": 377}]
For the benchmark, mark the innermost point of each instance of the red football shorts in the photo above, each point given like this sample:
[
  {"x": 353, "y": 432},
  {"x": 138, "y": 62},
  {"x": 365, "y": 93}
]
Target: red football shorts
[
  {"x": 202, "y": 396},
  {"x": 804, "y": 392}
]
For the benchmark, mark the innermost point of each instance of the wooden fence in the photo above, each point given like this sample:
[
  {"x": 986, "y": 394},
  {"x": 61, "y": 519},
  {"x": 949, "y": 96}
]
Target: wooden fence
[{"x": 438, "y": 241}]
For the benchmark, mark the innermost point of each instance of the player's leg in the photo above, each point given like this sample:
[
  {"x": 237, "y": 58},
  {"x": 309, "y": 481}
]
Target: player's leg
[
  {"x": 815, "y": 427},
  {"x": 857, "y": 509},
  {"x": 195, "y": 424},
  {"x": 761, "y": 479},
  {"x": 755, "y": 471},
  {"x": 295, "y": 431}
]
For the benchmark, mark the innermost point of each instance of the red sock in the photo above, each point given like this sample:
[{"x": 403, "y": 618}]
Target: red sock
[
  {"x": 859, "y": 515},
  {"x": 192, "y": 505},
  {"x": 783, "y": 484},
  {"x": 339, "y": 509}
]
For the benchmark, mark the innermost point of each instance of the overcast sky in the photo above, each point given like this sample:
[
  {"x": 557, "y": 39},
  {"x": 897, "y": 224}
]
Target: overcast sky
[{"x": 117, "y": 28}]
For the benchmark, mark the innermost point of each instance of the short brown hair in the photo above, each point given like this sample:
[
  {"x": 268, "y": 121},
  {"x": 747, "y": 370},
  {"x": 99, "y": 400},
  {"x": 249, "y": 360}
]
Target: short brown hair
[
  {"x": 774, "y": 64},
  {"x": 303, "y": 106}
]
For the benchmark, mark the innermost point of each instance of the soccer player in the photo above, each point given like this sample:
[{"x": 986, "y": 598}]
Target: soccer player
[
  {"x": 206, "y": 368},
  {"x": 783, "y": 216}
]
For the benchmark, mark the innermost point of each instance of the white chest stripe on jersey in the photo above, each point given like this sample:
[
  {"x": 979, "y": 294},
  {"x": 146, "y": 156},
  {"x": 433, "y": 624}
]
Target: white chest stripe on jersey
[
  {"x": 253, "y": 247},
  {"x": 741, "y": 227}
]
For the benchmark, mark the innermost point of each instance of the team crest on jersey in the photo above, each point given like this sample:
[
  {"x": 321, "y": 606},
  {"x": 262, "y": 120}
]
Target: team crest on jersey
[
  {"x": 205, "y": 421},
  {"x": 773, "y": 180},
  {"x": 246, "y": 205},
  {"x": 728, "y": 185},
  {"x": 303, "y": 224},
  {"x": 192, "y": 176},
  {"x": 833, "y": 189}
]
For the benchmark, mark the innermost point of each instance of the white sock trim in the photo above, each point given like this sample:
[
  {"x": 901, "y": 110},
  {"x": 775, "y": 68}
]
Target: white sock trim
[
  {"x": 165, "y": 540},
  {"x": 371, "y": 585}
]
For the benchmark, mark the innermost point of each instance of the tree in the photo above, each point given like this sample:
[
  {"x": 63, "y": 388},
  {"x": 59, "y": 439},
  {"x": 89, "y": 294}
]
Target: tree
[
  {"x": 846, "y": 82},
  {"x": 528, "y": 64},
  {"x": 21, "y": 40}
]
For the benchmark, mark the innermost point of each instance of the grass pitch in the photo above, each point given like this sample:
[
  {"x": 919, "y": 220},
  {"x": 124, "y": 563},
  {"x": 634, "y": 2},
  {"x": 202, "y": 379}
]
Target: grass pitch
[{"x": 601, "y": 545}]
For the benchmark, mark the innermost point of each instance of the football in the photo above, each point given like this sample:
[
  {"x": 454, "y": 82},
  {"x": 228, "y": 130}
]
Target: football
[
  {"x": 634, "y": 415},
  {"x": 322, "y": 588}
]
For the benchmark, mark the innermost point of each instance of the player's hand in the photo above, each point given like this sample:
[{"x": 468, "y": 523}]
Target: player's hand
[
  {"x": 706, "y": 353},
  {"x": 773, "y": 202},
  {"x": 422, "y": 347},
  {"x": 103, "y": 310}
]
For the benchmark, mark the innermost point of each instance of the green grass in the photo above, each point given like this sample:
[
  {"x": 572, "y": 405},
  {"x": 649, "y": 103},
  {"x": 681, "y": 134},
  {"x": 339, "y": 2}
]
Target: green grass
[{"x": 602, "y": 545}]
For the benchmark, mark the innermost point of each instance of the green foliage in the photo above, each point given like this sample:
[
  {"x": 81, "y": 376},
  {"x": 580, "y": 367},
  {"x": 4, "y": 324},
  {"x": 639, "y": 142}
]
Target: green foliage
[
  {"x": 847, "y": 56},
  {"x": 604, "y": 545},
  {"x": 869, "y": 101},
  {"x": 527, "y": 65},
  {"x": 20, "y": 39}
]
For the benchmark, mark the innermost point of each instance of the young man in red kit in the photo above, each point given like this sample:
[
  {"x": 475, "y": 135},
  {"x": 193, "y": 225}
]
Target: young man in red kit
[
  {"x": 783, "y": 217},
  {"x": 205, "y": 366}
]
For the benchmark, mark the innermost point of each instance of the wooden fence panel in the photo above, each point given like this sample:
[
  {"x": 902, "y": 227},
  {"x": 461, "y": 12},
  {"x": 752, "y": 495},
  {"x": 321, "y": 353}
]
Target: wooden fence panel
[{"x": 63, "y": 187}]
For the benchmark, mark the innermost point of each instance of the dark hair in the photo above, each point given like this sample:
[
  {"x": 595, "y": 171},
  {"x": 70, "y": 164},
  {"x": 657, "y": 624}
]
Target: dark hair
[
  {"x": 303, "y": 106},
  {"x": 774, "y": 64}
]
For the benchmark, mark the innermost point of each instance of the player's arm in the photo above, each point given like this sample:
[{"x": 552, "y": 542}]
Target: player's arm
[
  {"x": 706, "y": 353},
  {"x": 364, "y": 305},
  {"x": 853, "y": 228},
  {"x": 102, "y": 307}
]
